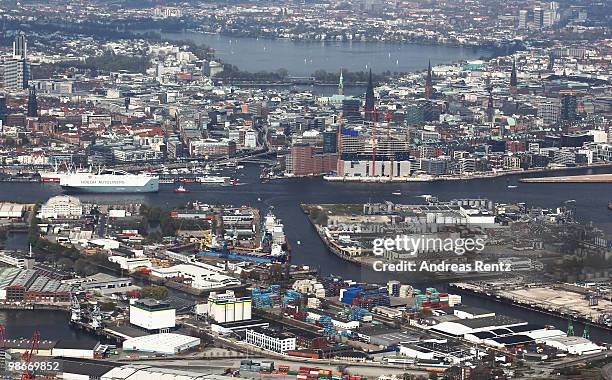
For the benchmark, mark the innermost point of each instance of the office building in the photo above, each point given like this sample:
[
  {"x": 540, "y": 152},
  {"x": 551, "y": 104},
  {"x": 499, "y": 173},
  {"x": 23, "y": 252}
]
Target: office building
[
  {"x": 522, "y": 21},
  {"x": 20, "y": 46},
  {"x": 568, "y": 107},
  {"x": 14, "y": 73},
  {"x": 538, "y": 17}
]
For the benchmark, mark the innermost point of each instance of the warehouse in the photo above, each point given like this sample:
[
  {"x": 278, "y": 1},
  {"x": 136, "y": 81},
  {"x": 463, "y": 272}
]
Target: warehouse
[
  {"x": 200, "y": 277},
  {"x": 165, "y": 343},
  {"x": 460, "y": 327},
  {"x": 437, "y": 349},
  {"x": 11, "y": 210},
  {"x": 147, "y": 372},
  {"x": 81, "y": 349},
  {"x": 513, "y": 335},
  {"x": 7, "y": 275},
  {"x": 574, "y": 345}
]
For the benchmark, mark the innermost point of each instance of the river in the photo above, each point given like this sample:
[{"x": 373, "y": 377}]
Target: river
[
  {"x": 301, "y": 58},
  {"x": 287, "y": 195}
]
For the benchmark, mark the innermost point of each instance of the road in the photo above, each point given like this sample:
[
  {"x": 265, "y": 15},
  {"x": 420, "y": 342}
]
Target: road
[{"x": 606, "y": 372}]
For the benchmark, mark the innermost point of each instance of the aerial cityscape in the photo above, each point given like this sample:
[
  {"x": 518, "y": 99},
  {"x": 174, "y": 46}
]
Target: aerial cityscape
[{"x": 305, "y": 190}]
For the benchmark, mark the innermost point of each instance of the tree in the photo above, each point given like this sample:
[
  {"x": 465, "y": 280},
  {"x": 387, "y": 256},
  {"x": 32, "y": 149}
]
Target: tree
[
  {"x": 156, "y": 292},
  {"x": 107, "y": 306},
  {"x": 83, "y": 267},
  {"x": 65, "y": 263}
]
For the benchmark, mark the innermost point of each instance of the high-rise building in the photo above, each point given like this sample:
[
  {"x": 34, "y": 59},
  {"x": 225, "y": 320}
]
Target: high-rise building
[
  {"x": 568, "y": 107},
  {"x": 369, "y": 99},
  {"x": 14, "y": 73},
  {"x": 351, "y": 108},
  {"x": 549, "y": 111},
  {"x": 421, "y": 112},
  {"x": 20, "y": 46},
  {"x": 330, "y": 142},
  {"x": 522, "y": 20},
  {"x": 538, "y": 17},
  {"x": 549, "y": 17}
]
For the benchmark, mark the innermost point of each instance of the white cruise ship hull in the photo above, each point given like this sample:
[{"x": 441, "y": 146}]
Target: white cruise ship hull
[{"x": 109, "y": 183}]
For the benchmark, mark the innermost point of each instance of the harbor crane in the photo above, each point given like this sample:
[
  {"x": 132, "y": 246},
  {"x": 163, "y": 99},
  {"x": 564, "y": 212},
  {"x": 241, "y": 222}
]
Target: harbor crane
[{"x": 28, "y": 355}]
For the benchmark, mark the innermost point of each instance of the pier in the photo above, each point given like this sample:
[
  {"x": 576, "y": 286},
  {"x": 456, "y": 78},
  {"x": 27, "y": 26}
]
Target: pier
[{"x": 589, "y": 178}]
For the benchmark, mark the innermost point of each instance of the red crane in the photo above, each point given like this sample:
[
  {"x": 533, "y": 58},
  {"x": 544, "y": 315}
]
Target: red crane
[
  {"x": 387, "y": 118},
  {"x": 27, "y": 356},
  {"x": 2, "y": 336}
]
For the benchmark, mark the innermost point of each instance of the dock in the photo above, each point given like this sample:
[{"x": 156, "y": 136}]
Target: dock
[{"x": 588, "y": 178}]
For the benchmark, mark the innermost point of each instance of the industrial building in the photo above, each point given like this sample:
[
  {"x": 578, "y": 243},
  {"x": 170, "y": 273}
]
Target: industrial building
[
  {"x": 271, "y": 340},
  {"x": 82, "y": 349},
  {"x": 226, "y": 307},
  {"x": 61, "y": 206},
  {"x": 18, "y": 285},
  {"x": 454, "y": 353},
  {"x": 11, "y": 210},
  {"x": 104, "y": 284},
  {"x": 164, "y": 343},
  {"x": 15, "y": 260},
  {"x": 199, "y": 276},
  {"x": 152, "y": 315},
  {"x": 460, "y": 327},
  {"x": 574, "y": 345}
]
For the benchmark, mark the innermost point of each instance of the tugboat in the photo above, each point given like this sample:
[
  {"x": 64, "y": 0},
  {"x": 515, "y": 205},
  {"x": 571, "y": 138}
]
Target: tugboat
[{"x": 181, "y": 189}]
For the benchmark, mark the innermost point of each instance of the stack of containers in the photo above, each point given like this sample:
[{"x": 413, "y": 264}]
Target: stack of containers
[
  {"x": 371, "y": 297},
  {"x": 347, "y": 295},
  {"x": 394, "y": 288}
]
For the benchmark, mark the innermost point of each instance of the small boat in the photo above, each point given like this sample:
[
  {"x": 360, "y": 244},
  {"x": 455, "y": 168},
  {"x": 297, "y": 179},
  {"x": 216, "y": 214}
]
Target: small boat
[
  {"x": 397, "y": 192},
  {"x": 512, "y": 186},
  {"x": 610, "y": 206},
  {"x": 181, "y": 189}
]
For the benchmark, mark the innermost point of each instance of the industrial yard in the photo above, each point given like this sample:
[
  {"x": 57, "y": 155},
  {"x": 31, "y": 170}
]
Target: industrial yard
[
  {"x": 560, "y": 299},
  {"x": 588, "y": 301}
]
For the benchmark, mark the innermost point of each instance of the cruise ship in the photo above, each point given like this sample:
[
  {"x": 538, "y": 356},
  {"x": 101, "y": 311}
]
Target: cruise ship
[{"x": 109, "y": 181}]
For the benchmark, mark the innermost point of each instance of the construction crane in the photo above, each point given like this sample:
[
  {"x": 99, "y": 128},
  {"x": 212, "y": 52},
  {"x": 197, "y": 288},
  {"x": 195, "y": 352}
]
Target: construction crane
[{"x": 27, "y": 356}]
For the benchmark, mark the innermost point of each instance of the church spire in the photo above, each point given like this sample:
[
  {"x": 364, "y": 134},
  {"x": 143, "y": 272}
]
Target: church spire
[
  {"x": 341, "y": 84},
  {"x": 32, "y": 103},
  {"x": 490, "y": 109},
  {"x": 428, "y": 82},
  {"x": 513, "y": 79}
]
